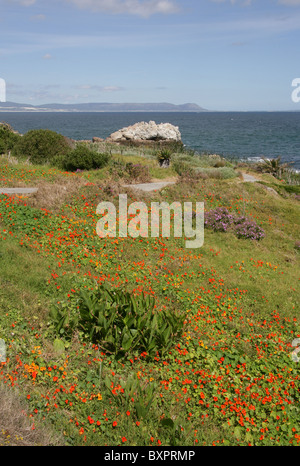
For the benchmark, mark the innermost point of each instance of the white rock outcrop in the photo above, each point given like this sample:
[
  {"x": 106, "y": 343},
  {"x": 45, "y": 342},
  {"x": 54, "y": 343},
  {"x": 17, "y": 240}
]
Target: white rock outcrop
[{"x": 143, "y": 131}]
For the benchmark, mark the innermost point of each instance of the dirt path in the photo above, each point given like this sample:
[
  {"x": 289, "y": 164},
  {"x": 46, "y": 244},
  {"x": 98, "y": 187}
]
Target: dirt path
[
  {"x": 155, "y": 185},
  {"x": 18, "y": 190},
  {"x": 149, "y": 186},
  {"x": 249, "y": 178}
]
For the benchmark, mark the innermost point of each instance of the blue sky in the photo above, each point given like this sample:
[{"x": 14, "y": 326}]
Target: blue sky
[{"x": 221, "y": 54}]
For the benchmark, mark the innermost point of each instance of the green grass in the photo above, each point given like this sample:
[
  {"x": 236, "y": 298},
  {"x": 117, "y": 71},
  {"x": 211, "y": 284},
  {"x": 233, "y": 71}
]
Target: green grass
[{"x": 25, "y": 277}]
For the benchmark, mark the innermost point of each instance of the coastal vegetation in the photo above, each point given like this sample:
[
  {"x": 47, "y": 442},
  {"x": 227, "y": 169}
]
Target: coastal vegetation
[
  {"x": 40, "y": 146},
  {"x": 140, "y": 341},
  {"x": 8, "y": 138},
  {"x": 81, "y": 158}
]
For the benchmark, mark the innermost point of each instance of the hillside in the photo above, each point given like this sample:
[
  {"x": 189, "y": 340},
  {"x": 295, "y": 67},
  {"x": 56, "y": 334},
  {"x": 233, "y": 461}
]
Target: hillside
[
  {"x": 140, "y": 340},
  {"x": 101, "y": 107}
]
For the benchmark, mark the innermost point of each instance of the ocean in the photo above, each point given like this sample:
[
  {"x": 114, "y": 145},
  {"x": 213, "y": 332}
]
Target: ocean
[{"x": 239, "y": 135}]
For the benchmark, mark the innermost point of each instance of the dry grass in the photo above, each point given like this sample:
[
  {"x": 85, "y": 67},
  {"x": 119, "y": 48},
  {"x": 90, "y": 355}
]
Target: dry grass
[
  {"x": 109, "y": 190},
  {"x": 52, "y": 196},
  {"x": 16, "y": 428}
]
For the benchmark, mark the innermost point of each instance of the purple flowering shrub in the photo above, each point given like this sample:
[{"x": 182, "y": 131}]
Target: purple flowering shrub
[
  {"x": 220, "y": 219},
  {"x": 246, "y": 228}
]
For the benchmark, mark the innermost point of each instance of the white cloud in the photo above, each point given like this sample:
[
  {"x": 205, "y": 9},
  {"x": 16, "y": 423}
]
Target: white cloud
[
  {"x": 47, "y": 56},
  {"x": 111, "y": 88},
  {"x": 134, "y": 7},
  {"x": 96, "y": 87},
  {"x": 43, "y": 94},
  {"x": 56, "y": 92}
]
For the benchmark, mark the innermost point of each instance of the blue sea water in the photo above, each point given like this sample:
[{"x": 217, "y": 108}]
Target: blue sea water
[{"x": 242, "y": 135}]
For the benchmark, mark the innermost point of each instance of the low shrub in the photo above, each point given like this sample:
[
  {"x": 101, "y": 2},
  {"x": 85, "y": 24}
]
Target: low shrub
[
  {"x": 246, "y": 228},
  {"x": 138, "y": 172},
  {"x": 198, "y": 168},
  {"x": 163, "y": 157},
  {"x": 40, "y": 146},
  {"x": 220, "y": 219},
  {"x": 117, "y": 168},
  {"x": 224, "y": 173},
  {"x": 118, "y": 322},
  {"x": 8, "y": 138},
  {"x": 83, "y": 158},
  {"x": 272, "y": 166},
  {"x": 227, "y": 173},
  {"x": 129, "y": 171},
  {"x": 183, "y": 168}
]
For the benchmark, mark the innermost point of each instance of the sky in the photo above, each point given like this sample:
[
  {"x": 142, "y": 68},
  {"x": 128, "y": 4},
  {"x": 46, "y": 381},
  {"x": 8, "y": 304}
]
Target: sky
[{"x": 224, "y": 55}]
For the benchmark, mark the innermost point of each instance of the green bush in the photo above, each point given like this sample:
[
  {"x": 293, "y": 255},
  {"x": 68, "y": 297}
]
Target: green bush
[
  {"x": 8, "y": 138},
  {"x": 40, "y": 146},
  {"x": 2, "y": 147},
  {"x": 273, "y": 166},
  {"x": 58, "y": 161},
  {"x": 163, "y": 157},
  {"x": 183, "y": 168},
  {"x": 83, "y": 158}
]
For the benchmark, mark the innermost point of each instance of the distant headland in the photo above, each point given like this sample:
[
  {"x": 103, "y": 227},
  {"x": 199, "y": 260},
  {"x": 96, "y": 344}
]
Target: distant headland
[{"x": 101, "y": 107}]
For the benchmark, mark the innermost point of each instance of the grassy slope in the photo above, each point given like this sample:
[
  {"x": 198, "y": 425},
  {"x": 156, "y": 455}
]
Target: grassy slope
[{"x": 259, "y": 278}]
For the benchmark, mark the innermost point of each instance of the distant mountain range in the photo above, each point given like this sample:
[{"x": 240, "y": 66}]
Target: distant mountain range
[{"x": 101, "y": 107}]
